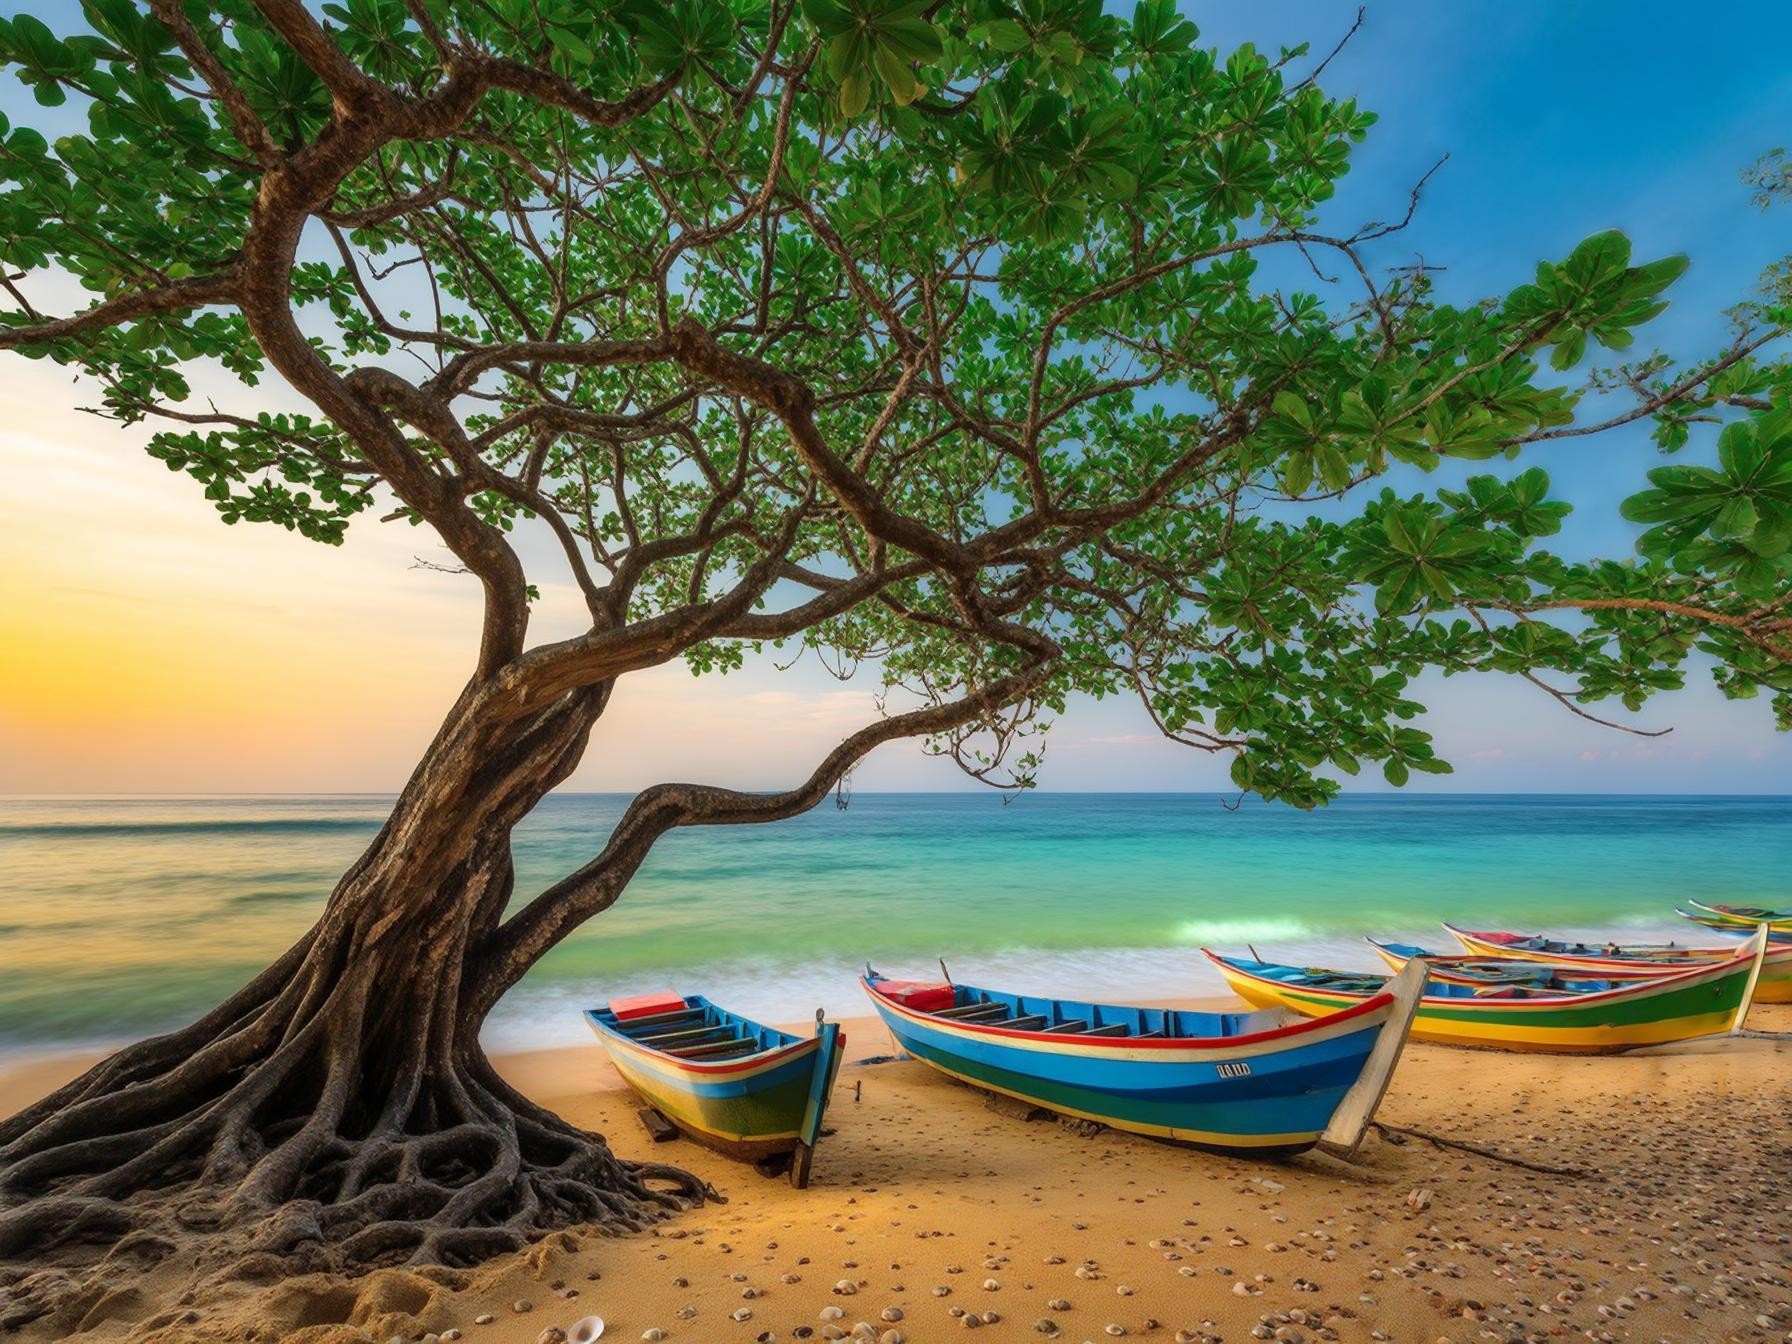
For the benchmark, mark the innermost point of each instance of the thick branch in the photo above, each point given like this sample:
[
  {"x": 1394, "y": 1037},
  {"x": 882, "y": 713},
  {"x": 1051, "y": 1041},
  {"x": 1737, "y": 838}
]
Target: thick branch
[
  {"x": 570, "y": 902},
  {"x": 199, "y": 290}
]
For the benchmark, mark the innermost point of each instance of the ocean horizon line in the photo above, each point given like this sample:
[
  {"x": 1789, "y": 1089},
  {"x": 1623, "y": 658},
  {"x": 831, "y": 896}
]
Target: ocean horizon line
[{"x": 106, "y": 795}]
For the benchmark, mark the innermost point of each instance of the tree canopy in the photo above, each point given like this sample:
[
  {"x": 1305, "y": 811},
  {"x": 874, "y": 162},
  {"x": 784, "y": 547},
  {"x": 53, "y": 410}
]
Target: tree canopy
[
  {"x": 1001, "y": 348},
  {"x": 998, "y": 344}
]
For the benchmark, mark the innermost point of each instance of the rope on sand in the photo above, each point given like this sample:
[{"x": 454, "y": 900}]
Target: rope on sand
[{"x": 1440, "y": 1141}]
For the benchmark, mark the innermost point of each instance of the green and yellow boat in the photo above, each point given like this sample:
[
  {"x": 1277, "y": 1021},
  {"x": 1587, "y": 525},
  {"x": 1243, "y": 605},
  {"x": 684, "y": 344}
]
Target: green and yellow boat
[
  {"x": 1743, "y": 919},
  {"x": 1586, "y": 1017}
]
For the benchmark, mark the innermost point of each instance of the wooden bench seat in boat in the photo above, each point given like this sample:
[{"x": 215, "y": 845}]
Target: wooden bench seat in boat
[
  {"x": 683, "y": 1036},
  {"x": 712, "y": 1047},
  {"x": 659, "y": 1022},
  {"x": 1033, "y": 1022},
  {"x": 987, "y": 1012}
]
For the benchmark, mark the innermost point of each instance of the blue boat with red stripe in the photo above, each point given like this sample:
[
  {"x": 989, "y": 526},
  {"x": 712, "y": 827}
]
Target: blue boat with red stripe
[{"x": 1266, "y": 1083}]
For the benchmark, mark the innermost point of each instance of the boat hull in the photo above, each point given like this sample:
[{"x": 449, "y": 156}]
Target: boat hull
[
  {"x": 1675, "y": 1008},
  {"x": 1263, "y": 1096},
  {"x": 758, "y": 1107},
  {"x": 1774, "y": 986},
  {"x": 1737, "y": 919}
]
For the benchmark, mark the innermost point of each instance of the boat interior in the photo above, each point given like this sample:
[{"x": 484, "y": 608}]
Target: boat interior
[
  {"x": 1068, "y": 1017},
  {"x": 1356, "y": 982},
  {"x": 1474, "y": 968},
  {"x": 1557, "y": 947},
  {"x": 698, "y": 1031}
]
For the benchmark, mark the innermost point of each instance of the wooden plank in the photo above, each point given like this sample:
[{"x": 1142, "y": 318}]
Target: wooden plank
[
  {"x": 1014, "y": 1107},
  {"x": 800, "y": 1160},
  {"x": 1344, "y": 1135},
  {"x": 980, "y": 1013},
  {"x": 690, "y": 1051},
  {"x": 689, "y": 1036},
  {"x": 660, "y": 1129},
  {"x": 1754, "y": 978},
  {"x": 1112, "y": 1029},
  {"x": 634, "y": 1023},
  {"x": 962, "y": 1009}
]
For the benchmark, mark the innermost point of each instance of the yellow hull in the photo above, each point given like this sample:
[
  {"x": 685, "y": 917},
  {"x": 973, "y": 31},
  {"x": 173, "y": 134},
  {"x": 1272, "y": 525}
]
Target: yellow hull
[{"x": 1430, "y": 1025}]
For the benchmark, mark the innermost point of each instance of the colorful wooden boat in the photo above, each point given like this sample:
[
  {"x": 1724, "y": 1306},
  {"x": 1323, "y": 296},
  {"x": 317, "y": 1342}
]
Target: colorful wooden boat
[
  {"x": 1628, "y": 960},
  {"x": 747, "y": 1090},
  {"x": 1703, "y": 1001},
  {"x": 1483, "y": 970},
  {"x": 1743, "y": 919},
  {"x": 1263, "y": 1083}
]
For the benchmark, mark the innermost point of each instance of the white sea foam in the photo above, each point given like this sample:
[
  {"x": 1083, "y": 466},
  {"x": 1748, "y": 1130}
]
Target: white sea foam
[
  {"x": 783, "y": 992},
  {"x": 1223, "y": 931}
]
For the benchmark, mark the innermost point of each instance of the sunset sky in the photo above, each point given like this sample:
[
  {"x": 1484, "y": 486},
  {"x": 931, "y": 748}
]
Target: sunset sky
[{"x": 145, "y": 647}]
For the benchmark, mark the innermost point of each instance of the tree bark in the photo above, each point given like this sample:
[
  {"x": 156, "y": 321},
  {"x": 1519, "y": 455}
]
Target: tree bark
[{"x": 337, "y": 1112}]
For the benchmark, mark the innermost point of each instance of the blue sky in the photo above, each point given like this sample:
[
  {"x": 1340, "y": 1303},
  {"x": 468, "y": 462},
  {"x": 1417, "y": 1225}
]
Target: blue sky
[{"x": 1560, "y": 120}]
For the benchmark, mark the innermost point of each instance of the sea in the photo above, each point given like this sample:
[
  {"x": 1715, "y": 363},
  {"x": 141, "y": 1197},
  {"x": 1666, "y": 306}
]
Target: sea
[{"x": 125, "y": 916}]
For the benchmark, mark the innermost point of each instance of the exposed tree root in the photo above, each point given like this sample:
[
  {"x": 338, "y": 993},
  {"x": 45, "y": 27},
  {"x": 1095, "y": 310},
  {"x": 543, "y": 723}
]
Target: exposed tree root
[{"x": 313, "y": 1123}]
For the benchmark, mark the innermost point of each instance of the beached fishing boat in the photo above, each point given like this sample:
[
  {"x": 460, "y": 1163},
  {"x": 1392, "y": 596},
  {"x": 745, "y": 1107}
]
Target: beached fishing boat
[
  {"x": 748, "y": 1090},
  {"x": 1742, "y": 919},
  {"x": 1595, "y": 1018},
  {"x": 1621, "y": 961},
  {"x": 1484, "y": 969},
  {"x": 1260, "y": 1082}
]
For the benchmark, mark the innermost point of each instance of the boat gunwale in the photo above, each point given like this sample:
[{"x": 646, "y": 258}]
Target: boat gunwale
[
  {"x": 1557, "y": 999},
  {"x": 758, "y": 1059},
  {"x": 1302, "y": 1027},
  {"x": 1703, "y": 956}
]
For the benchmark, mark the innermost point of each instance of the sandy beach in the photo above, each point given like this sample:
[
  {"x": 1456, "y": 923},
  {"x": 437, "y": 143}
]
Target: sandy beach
[{"x": 931, "y": 1210}]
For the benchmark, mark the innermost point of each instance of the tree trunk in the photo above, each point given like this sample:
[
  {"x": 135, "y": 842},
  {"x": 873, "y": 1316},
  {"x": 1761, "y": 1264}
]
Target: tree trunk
[{"x": 338, "y": 1111}]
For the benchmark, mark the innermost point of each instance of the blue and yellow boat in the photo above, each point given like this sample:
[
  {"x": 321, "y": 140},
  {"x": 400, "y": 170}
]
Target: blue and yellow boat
[
  {"x": 740, "y": 1087},
  {"x": 1263, "y": 1083}
]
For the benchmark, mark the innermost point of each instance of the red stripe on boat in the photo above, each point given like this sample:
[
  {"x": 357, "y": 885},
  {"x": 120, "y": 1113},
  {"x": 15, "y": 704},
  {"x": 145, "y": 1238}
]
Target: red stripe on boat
[{"x": 1301, "y": 1028}]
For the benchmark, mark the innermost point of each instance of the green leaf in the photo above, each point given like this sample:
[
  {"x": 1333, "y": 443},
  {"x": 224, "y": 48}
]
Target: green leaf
[
  {"x": 1005, "y": 35},
  {"x": 855, "y": 93},
  {"x": 572, "y": 44},
  {"x": 1737, "y": 518}
]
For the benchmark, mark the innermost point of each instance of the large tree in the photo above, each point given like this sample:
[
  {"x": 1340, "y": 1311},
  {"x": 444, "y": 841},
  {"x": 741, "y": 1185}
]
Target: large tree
[{"x": 963, "y": 342}]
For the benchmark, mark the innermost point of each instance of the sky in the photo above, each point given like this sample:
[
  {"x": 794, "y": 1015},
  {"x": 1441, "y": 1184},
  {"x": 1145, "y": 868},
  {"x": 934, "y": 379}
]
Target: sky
[{"x": 144, "y": 647}]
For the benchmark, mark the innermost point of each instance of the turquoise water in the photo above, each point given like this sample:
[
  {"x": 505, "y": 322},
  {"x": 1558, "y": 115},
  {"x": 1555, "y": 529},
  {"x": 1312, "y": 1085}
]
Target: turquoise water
[{"x": 123, "y": 916}]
